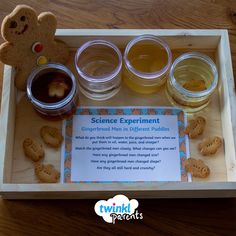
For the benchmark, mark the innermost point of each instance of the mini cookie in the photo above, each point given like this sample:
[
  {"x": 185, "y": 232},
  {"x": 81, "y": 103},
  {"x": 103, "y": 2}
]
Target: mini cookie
[
  {"x": 57, "y": 88},
  {"x": 33, "y": 149},
  {"x": 197, "y": 168},
  {"x": 29, "y": 42},
  {"x": 195, "y": 127},
  {"x": 209, "y": 146},
  {"x": 51, "y": 136},
  {"x": 195, "y": 85},
  {"x": 46, "y": 173}
]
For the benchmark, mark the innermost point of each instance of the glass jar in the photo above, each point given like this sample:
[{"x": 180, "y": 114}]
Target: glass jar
[
  {"x": 52, "y": 90},
  {"x": 193, "y": 79},
  {"x": 99, "y": 63},
  {"x": 147, "y": 60}
]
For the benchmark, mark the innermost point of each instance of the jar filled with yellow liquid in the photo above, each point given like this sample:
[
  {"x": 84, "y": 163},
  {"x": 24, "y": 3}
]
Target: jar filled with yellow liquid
[
  {"x": 193, "y": 79},
  {"x": 147, "y": 60}
]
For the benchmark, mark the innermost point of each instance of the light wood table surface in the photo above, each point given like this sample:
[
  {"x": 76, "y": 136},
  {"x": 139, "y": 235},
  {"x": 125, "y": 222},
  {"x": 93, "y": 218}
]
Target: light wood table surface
[{"x": 201, "y": 217}]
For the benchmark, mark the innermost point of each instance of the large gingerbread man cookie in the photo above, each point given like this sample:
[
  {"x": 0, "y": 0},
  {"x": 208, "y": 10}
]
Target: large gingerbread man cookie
[{"x": 30, "y": 42}]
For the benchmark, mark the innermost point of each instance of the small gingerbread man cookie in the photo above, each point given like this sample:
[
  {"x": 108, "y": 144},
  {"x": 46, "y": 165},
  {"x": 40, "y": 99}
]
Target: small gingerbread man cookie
[
  {"x": 46, "y": 173},
  {"x": 209, "y": 146},
  {"x": 195, "y": 127},
  {"x": 197, "y": 168},
  {"x": 57, "y": 88},
  {"x": 33, "y": 149},
  {"x": 51, "y": 136},
  {"x": 195, "y": 85},
  {"x": 30, "y": 42}
]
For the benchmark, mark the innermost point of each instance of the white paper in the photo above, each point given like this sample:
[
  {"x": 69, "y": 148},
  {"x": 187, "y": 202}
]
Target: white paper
[{"x": 125, "y": 152}]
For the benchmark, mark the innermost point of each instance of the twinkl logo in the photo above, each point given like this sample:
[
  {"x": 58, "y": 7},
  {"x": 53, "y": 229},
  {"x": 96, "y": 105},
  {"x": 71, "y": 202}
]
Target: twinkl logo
[
  {"x": 115, "y": 209},
  {"x": 118, "y": 208}
]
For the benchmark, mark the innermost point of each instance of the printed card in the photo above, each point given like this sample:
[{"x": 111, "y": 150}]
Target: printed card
[{"x": 129, "y": 144}]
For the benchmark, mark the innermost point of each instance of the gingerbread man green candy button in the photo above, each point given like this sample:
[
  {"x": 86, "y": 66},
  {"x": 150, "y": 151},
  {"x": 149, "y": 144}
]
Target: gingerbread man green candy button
[{"x": 30, "y": 42}]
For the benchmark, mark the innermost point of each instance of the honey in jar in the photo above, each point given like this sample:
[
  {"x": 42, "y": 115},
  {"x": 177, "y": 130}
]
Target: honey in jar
[{"x": 147, "y": 60}]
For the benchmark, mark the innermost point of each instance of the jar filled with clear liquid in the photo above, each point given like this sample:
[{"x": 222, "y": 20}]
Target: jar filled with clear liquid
[
  {"x": 99, "y": 63},
  {"x": 193, "y": 79}
]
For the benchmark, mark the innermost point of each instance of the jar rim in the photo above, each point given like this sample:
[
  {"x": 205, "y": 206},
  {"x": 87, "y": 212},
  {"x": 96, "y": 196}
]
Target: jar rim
[
  {"x": 146, "y": 75},
  {"x": 55, "y": 105},
  {"x": 202, "y": 57},
  {"x": 104, "y": 78}
]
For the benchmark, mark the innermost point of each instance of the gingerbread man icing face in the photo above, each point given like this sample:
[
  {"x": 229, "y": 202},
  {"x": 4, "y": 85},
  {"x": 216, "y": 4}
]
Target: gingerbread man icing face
[
  {"x": 30, "y": 42},
  {"x": 19, "y": 24}
]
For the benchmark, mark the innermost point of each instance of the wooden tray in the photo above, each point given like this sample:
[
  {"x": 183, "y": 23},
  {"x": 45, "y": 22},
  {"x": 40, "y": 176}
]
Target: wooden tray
[{"x": 18, "y": 120}]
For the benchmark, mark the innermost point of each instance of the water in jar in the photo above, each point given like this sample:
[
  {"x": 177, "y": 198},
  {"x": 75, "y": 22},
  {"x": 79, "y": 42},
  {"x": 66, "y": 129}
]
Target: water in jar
[{"x": 98, "y": 61}]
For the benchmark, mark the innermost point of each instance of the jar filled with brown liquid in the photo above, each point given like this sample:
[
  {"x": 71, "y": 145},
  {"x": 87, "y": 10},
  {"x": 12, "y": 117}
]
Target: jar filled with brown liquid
[{"x": 52, "y": 90}]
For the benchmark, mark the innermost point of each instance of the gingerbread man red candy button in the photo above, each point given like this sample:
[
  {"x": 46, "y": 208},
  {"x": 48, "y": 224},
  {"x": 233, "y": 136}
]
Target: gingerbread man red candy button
[{"x": 37, "y": 47}]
